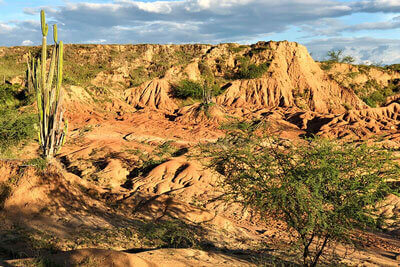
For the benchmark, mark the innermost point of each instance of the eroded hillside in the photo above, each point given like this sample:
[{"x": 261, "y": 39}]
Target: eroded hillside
[{"x": 128, "y": 178}]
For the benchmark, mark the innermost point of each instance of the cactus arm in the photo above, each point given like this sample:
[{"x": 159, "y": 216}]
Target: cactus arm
[
  {"x": 50, "y": 77},
  {"x": 45, "y": 27},
  {"x": 53, "y": 59},
  {"x": 60, "y": 67},
  {"x": 55, "y": 36}
]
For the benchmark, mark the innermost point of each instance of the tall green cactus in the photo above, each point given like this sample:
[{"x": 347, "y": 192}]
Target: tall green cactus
[{"x": 52, "y": 125}]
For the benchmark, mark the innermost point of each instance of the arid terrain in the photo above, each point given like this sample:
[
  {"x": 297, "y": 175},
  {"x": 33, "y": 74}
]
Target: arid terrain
[{"x": 127, "y": 188}]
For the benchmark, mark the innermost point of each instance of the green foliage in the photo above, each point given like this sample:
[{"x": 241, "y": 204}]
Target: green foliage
[
  {"x": 352, "y": 75},
  {"x": 248, "y": 70},
  {"x": 39, "y": 163},
  {"x": 379, "y": 95},
  {"x": 182, "y": 57},
  {"x": 11, "y": 65},
  {"x": 236, "y": 125},
  {"x": 138, "y": 76},
  {"x": 335, "y": 56},
  {"x": 188, "y": 88},
  {"x": 393, "y": 67},
  {"x": 322, "y": 190},
  {"x": 195, "y": 90},
  {"x": 15, "y": 128},
  {"x": 171, "y": 234},
  {"x": 326, "y": 65},
  {"x": 159, "y": 66},
  {"x": 237, "y": 49},
  {"x": 348, "y": 60},
  {"x": 9, "y": 96},
  {"x": 77, "y": 73}
]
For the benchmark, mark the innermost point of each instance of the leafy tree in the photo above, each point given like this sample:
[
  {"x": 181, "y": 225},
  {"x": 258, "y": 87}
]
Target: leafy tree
[
  {"x": 337, "y": 56},
  {"x": 322, "y": 190}
]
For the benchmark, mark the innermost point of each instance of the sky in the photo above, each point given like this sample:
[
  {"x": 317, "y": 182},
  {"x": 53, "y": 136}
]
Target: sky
[{"x": 368, "y": 30}]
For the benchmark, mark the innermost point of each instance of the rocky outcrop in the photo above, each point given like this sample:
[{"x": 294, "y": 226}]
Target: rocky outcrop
[
  {"x": 292, "y": 74},
  {"x": 153, "y": 94},
  {"x": 363, "y": 123}
]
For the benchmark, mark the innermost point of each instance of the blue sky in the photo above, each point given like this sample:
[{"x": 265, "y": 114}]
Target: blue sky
[{"x": 368, "y": 30}]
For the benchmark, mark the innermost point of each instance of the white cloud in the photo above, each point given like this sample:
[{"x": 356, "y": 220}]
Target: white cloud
[
  {"x": 373, "y": 6},
  {"x": 5, "y": 28},
  {"x": 98, "y": 41},
  {"x": 27, "y": 42}
]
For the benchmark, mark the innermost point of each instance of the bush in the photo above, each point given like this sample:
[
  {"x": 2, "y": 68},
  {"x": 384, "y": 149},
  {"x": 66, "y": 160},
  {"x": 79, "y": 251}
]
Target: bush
[
  {"x": 15, "y": 127},
  {"x": 378, "y": 97},
  {"x": 171, "y": 234},
  {"x": 248, "y": 70},
  {"x": 193, "y": 89},
  {"x": 322, "y": 190},
  {"x": 12, "y": 96},
  {"x": 188, "y": 88},
  {"x": 393, "y": 67}
]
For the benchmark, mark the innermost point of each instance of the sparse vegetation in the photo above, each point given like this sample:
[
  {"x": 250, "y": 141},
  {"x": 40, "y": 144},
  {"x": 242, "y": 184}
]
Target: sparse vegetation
[
  {"x": 15, "y": 128},
  {"x": 171, "y": 234},
  {"x": 16, "y": 124},
  {"x": 39, "y": 163},
  {"x": 322, "y": 190},
  {"x": 379, "y": 93},
  {"x": 237, "y": 49},
  {"x": 195, "y": 90},
  {"x": 236, "y": 125},
  {"x": 248, "y": 70},
  {"x": 11, "y": 65}
]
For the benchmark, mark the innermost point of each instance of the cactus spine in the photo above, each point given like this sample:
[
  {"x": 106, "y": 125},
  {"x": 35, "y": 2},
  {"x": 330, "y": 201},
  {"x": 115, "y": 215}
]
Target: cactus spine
[{"x": 52, "y": 125}]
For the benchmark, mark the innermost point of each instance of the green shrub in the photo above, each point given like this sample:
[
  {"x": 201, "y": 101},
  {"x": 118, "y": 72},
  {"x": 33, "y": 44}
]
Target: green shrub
[
  {"x": 171, "y": 234},
  {"x": 10, "y": 96},
  {"x": 193, "y": 89},
  {"x": 322, "y": 190},
  {"x": 248, "y": 70},
  {"x": 187, "y": 88},
  {"x": 15, "y": 127},
  {"x": 379, "y": 96},
  {"x": 326, "y": 65},
  {"x": 237, "y": 49},
  {"x": 39, "y": 163},
  {"x": 11, "y": 65},
  {"x": 394, "y": 67}
]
